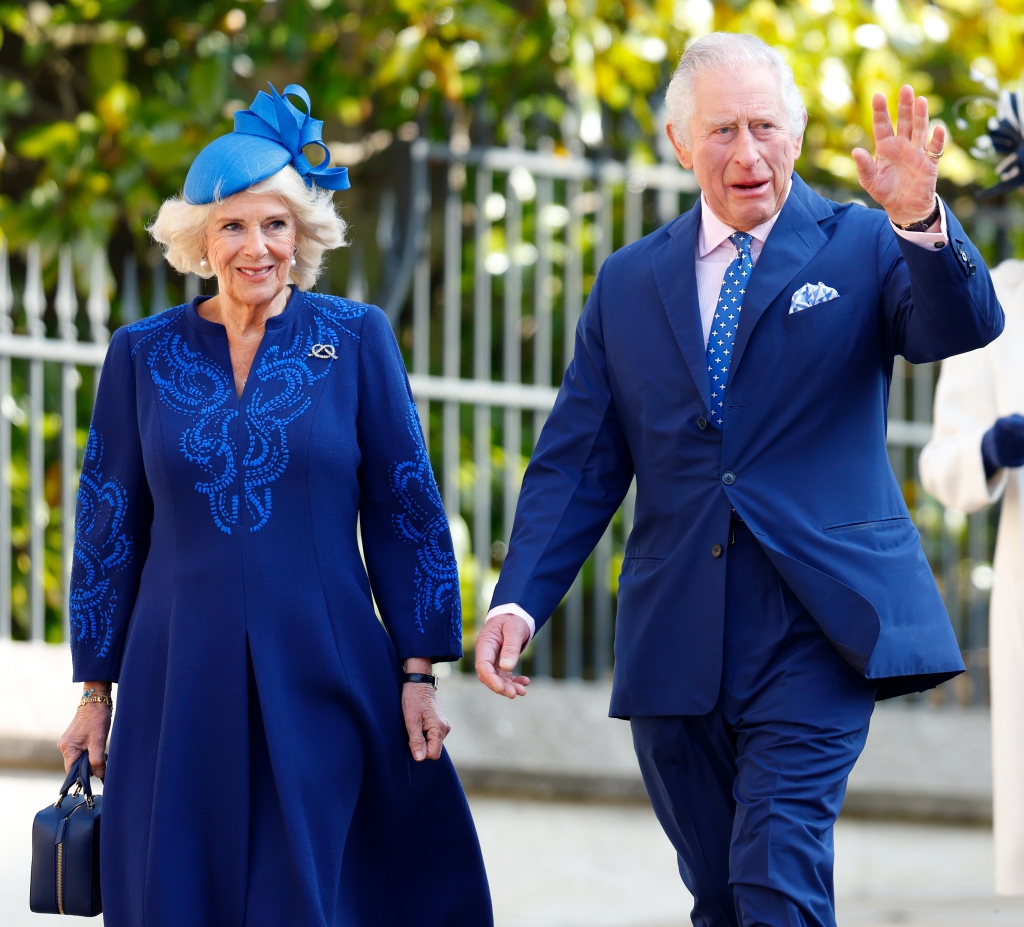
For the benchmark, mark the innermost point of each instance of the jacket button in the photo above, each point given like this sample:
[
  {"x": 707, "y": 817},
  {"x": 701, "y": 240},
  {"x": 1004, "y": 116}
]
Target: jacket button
[
  {"x": 728, "y": 477},
  {"x": 716, "y": 550},
  {"x": 702, "y": 423},
  {"x": 963, "y": 254}
]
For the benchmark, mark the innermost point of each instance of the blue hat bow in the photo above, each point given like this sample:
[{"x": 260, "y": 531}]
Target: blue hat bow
[
  {"x": 268, "y": 136},
  {"x": 274, "y": 118}
]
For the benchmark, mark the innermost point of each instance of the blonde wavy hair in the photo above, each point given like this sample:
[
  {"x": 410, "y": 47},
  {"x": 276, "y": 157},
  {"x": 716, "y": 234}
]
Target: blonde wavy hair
[{"x": 180, "y": 227}]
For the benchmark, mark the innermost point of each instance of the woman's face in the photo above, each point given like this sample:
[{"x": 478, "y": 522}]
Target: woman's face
[{"x": 250, "y": 243}]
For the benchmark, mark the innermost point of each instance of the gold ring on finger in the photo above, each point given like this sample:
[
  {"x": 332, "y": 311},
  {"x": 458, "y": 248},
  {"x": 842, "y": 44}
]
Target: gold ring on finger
[{"x": 933, "y": 154}]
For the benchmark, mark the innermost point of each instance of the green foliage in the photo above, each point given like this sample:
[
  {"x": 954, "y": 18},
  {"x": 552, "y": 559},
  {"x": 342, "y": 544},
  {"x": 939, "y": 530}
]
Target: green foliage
[{"x": 104, "y": 103}]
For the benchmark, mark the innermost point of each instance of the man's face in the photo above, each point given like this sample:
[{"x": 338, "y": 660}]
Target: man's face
[{"x": 741, "y": 150}]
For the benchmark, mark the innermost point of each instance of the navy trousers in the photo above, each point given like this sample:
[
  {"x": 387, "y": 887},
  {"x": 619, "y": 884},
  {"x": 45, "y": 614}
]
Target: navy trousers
[{"x": 749, "y": 793}]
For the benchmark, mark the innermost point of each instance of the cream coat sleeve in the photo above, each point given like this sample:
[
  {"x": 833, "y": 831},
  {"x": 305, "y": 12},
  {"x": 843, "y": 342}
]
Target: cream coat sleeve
[{"x": 965, "y": 408}]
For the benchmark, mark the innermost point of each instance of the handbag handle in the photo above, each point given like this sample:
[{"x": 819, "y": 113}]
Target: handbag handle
[{"x": 80, "y": 775}]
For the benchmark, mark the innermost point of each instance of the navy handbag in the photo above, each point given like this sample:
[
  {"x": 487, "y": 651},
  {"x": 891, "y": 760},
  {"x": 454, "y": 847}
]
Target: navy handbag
[{"x": 66, "y": 849}]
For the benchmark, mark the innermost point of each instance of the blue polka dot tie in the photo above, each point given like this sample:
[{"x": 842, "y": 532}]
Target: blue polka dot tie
[{"x": 726, "y": 321}]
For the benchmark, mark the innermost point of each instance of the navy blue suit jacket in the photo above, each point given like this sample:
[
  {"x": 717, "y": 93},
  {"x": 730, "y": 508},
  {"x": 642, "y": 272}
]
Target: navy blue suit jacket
[{"x": 802, "y": 455}]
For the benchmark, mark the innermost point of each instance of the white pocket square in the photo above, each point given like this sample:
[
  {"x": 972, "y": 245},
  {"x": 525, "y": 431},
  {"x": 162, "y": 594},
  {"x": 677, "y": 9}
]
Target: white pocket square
[{"x": 810, "y": 294}]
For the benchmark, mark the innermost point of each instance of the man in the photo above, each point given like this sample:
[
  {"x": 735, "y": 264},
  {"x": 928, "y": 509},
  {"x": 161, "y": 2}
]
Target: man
[
  {"x": 737, "y": 362},
  {"x": 978, "y": 440}
]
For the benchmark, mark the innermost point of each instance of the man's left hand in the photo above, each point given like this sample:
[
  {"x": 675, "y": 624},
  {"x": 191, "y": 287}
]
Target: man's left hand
[{"x": 901, "y": 176}]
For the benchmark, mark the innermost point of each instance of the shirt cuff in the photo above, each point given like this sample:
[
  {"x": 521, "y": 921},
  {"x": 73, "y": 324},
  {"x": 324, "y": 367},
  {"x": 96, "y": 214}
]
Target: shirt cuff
[
  {"x": 936, "y": 237},
  {"x": 513, "y": 609}
]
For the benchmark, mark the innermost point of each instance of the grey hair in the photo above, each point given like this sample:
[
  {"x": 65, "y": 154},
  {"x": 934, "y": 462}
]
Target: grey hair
[
  {"x": 180, "y": 227},
  {"x": 720, "y": 51}
]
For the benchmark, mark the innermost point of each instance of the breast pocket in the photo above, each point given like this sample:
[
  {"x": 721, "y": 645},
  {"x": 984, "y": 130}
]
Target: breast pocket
[{"x": 819, "y": 313}]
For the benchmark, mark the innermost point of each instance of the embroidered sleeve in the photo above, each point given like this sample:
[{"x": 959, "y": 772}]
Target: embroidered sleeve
[
  {"x": 408, "y": 546},
  {"x": 112, "y": 522}
]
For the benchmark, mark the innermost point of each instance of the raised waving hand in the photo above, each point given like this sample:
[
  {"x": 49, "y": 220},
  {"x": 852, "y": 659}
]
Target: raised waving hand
[{"x": 901, "y": 176}]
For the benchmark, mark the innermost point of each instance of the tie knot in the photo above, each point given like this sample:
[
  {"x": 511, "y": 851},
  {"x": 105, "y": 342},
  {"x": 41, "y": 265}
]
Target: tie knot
[{"x": 742, "y": 241}]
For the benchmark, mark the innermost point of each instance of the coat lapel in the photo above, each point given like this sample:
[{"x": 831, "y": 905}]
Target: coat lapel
[
  {"x": 676, "y": 277},
  {"x": 793, "y": 241}
]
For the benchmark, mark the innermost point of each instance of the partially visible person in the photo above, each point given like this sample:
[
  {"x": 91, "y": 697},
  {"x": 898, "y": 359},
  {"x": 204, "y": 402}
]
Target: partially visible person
[
  {"x": 271, "y": 764},
  {"x": 972, "y": 461}
]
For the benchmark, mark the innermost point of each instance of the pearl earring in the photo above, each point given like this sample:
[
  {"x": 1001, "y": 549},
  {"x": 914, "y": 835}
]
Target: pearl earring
[
  {"x": 202, "y": 262},
  {"x": 293, "y": 260}
]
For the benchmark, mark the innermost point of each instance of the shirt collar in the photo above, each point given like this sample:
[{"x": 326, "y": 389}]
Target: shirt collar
[{"x": 713, "y": 231}]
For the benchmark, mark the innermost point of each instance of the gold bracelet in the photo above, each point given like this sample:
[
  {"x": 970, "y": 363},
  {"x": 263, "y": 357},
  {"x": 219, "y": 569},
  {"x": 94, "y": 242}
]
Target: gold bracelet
[{"x": 102, "y": 699}]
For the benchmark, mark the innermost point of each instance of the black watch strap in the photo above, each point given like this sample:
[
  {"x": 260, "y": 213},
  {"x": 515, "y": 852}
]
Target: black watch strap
[
  {"x": 425, "y": 678},
  {"x": 924, "y": 224}
]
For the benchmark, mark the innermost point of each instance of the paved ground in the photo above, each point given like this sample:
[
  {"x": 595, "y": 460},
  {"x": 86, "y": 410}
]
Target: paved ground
[{"x": 584, "y": 865}]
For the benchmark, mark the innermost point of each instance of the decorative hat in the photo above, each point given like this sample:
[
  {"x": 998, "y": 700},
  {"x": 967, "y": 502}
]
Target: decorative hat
[
  {"x": 268, "y": 136},
  {"x": 1005, "y": 137}
]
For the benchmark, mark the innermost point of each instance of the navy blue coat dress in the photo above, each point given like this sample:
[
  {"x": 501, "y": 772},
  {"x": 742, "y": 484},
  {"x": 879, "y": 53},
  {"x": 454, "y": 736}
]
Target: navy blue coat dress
[{"x": 259, "y": 771}]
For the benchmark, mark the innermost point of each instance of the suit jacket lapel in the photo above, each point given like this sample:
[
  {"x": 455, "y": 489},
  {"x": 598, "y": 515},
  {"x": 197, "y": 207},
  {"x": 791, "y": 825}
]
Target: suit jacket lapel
[
  {"x": 676, "y": 277},
  {"x": 793, "y": 241}
]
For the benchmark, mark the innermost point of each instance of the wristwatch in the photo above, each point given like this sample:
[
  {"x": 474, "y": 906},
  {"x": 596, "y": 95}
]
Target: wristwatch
[
  {"x": 924, "y": 224},
  {"x": 425, "y": 678}
]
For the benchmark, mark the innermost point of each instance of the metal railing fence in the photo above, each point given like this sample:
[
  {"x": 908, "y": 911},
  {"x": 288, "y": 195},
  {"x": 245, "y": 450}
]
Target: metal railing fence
[
  {"x": 517, "y": 238},
  {"x": 502, "y": 247},
  {"x": 40, "y": 448}
]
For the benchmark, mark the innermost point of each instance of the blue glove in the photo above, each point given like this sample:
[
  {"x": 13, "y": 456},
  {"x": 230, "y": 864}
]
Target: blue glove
[{"x": 1003, "y": 445}]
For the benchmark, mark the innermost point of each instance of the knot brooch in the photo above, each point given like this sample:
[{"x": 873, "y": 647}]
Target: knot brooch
[{"x": 323, "y": 352}]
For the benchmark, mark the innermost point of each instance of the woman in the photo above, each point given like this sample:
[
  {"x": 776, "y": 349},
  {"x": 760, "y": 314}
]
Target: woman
[
  {"x": 259, "y": 770},
  {"x": 977, "y": 442},
  {"x": 971, "y": 462}
]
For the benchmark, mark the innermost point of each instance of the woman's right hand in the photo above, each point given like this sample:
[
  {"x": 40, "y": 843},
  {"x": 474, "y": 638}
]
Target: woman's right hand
[{"x": 88, "y": 731}]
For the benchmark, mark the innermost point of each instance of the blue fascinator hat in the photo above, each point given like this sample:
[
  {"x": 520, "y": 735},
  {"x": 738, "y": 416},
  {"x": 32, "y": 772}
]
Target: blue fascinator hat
[
  {"x": 268, "y": 137},
  {"x": 1005, "y": 138}
]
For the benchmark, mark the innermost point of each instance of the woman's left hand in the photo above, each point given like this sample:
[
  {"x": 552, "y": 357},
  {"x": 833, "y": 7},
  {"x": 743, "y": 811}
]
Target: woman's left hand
[{"x": 424, "y": 720}]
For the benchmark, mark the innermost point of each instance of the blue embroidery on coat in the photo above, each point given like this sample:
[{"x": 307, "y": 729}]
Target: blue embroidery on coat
[
  {"x": 153, "y": 324},
  {"x": 423, "y": 523},
  {"x": 269, "y": 413},
  {"x": 101, "y": 549},
  {"x": 337, "y": 310},
  {"x": 198, "y": 387}
]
